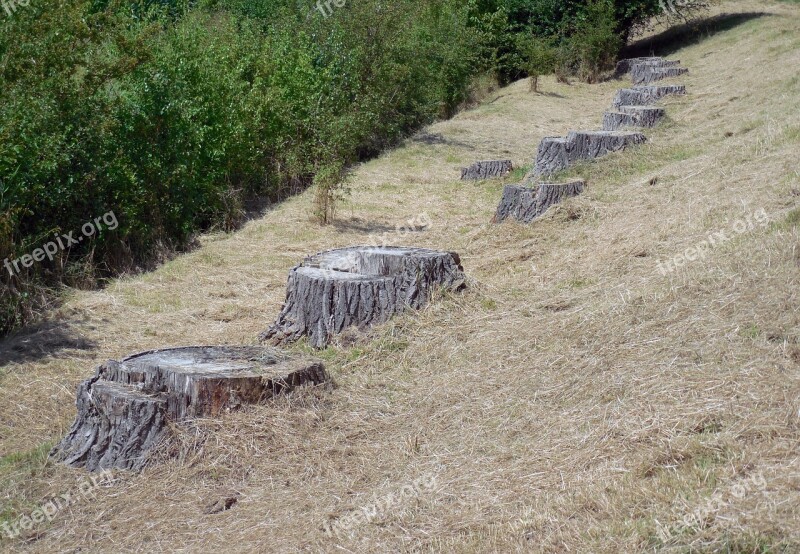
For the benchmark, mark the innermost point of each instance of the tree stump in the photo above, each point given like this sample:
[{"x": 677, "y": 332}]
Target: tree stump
[
  {"x": 644, "y": 74},
  {"x": 480, "y": 171},
  {"x": 557, "y": 154},
  {"x": 126, "y": 408},
  {"x": 640, "y": 68},
  {"x": 359, "y": 286},
  {"x": 632, "y": 116},
  {"x": 646, "y": 96},
  {"x": 624, "y": 66},
  {"x": 589, "y": 145},
  {"x": 526, "y": 204},
  {"x": 553, "y": 156}
]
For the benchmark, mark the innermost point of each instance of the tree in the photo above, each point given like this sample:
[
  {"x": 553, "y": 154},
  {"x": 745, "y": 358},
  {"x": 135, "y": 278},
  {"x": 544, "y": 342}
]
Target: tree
[{"x": 541, "y": 56}]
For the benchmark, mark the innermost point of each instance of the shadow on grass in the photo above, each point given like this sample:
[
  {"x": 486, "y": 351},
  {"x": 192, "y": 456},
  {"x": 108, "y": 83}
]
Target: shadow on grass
[
  {"x": 40, "y": 341},
  {"x": 680, "y": 36},
  {"x": 359, "y": 225},
  {"x": 434, "y": 139}
]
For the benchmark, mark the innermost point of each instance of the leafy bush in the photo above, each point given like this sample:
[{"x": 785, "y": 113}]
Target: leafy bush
[
  {"x": 588, "y": 33},
  {"x": 542, "y": 57},
  {"x": 171, "y": 116},
  {"x": 171, "y": 113},
  {"x": 594, "y": 42}
]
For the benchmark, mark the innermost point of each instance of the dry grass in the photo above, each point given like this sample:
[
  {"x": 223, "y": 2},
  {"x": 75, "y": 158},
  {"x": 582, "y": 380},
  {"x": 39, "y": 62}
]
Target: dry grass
[{"x": 574, "y": 399}]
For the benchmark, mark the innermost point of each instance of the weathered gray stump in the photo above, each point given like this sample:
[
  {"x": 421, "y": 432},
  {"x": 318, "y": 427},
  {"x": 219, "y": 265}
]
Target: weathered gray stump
[
  {"x": 126, "y": 408},
  {"x": 624, "y": 66},
  {"x": 646, "y": 96},
  {"x": 643, "y": 74},
  {"x": 553, "y": 156},
  {"x": 359, "y": 286},
  {"x": 638, "y": 69},
  {"x": 526, "y": 204},
  {"x": 556, "y": 154},
  {"x": 487, "y": 170},
  {"x": 632, "y": 116},
  {"x": 588, "y": 145}
]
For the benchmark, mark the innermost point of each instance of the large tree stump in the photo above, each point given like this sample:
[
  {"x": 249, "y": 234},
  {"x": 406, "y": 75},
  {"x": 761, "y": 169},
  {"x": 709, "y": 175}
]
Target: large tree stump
[
  {"x": 557, "y": 154},
  {"x": 359, "y": 286},
  {"x": 588, "y": 145},
  {"x": 480, "y": 171},
  {"x": 646, "y": 96},
  {"x": 116, "y": 426},
  {"x": 125, "y": 409},
  {"x": 526, "y": 204},
  {"x": 624, "y": 66},
  {"x": 638, "y": 69},
  {"x": 644, "y": 74},
  {"x": 632, "y": 116},
  {"x": 553, "y": 156}
]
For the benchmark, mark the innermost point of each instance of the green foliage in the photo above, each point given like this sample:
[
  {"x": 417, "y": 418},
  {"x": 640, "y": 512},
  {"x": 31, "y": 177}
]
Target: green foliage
[
  {"x": 171, "y": 114},
  {"x": 541, "y": 57},
  {"x": 594, "y": 42},
  {"x": 589, "y": 34}
]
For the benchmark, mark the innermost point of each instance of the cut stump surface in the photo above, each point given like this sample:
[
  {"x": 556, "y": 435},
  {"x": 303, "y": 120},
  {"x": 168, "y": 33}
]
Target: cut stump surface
[{"x": 625, "y": 66}]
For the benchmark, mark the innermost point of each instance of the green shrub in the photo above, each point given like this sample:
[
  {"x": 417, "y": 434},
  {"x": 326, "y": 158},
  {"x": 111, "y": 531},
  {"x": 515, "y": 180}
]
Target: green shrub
[
  {"x": 594, "y": 43},
  {"x": 170, "y": 114},
  {"x": 541, "y": 56}
]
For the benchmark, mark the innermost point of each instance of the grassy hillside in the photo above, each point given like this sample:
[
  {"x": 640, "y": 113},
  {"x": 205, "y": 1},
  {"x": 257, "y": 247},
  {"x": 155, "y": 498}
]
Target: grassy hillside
[{"x": 575, "y": 398}]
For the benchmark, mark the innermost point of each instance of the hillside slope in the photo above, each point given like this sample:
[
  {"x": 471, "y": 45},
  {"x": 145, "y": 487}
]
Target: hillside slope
[{"x": 578, "y": 397}]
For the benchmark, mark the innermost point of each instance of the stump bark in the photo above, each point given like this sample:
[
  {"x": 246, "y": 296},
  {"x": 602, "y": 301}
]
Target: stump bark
[
  {"x": 632, "y": 116},
  {"x": 646, "y": 95},
  {"x": 126, "y": 408},
  {"x": 359, "y": 286},
  {"x": 589, "y": 145},
  {"x": 643, "y": 74},
  {"x": 480, "y": 171},
  {"x": 557, "y": 154},
  {"x": 526, "y": 204},
  {"x": 624, "y": 66},
  {"x": 553, "y": 156},
  {"x": 638, "y": 69}
]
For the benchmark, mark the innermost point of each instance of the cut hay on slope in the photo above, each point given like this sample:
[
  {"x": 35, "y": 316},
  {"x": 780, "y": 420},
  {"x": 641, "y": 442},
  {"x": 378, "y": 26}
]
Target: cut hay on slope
[{"x": 574, "y": 399}]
